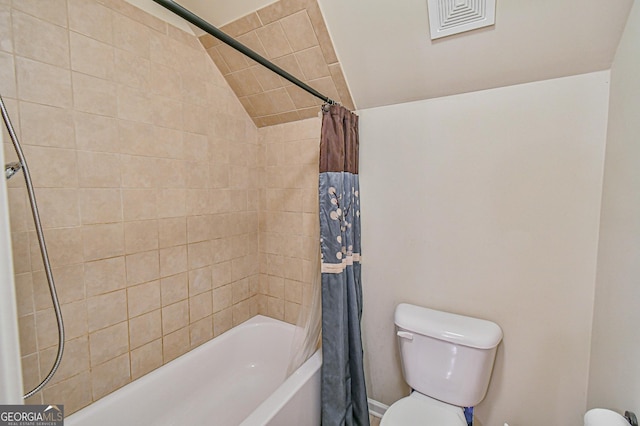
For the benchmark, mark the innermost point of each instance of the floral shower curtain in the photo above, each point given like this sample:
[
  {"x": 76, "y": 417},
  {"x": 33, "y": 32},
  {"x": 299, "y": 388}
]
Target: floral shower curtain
[{"x": 344, "y": 397}]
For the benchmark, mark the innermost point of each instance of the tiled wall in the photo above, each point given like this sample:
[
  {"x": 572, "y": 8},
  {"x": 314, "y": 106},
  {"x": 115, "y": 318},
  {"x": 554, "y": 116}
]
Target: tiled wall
[
  {"x": 147, "y": 176},
  {"x": 289, "y": 229},
  {"x": 293, "y": 35}
]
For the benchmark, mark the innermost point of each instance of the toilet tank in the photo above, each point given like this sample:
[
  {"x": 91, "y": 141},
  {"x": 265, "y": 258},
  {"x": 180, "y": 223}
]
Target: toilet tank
[{"x": 446, "y": 356}]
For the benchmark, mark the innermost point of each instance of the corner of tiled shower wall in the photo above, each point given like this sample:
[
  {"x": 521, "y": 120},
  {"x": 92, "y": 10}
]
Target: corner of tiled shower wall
[{"x": 149, "y": 177}]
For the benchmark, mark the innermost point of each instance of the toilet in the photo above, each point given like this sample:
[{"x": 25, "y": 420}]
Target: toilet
[{"x": 447, "y": 360}]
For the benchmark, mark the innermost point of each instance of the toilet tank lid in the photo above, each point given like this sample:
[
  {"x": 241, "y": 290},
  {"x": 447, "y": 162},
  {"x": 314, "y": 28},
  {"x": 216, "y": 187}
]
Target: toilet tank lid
[{"x": 457, "y": 329}]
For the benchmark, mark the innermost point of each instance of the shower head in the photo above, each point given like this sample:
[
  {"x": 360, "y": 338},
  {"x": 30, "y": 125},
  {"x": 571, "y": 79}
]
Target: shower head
[{"x": 11, "y": 169}]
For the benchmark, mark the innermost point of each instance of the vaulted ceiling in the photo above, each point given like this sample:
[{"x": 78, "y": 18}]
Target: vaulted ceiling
[{"x": 387, "y": 56}]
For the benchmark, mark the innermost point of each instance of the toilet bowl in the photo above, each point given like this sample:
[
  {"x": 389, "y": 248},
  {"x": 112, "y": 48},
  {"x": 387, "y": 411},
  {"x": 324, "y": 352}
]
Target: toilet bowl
[
  {"x": 447, "y": 360},
  {"x": 419, "y": 410}
]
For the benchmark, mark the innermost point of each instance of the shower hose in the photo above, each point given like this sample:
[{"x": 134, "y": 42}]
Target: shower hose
[{"x": 10, "y": 170}]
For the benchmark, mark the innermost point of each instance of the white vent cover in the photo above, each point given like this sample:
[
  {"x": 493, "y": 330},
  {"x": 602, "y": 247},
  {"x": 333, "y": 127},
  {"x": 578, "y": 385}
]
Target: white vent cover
[{"x": 447, "y": 17}]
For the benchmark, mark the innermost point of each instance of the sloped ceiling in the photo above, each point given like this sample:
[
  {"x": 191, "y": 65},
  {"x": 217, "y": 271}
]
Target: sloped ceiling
[{"x": 388, "y": 57}]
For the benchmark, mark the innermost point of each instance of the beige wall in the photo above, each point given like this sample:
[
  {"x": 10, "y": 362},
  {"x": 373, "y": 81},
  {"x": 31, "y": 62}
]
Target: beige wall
[
  {"x": 487, "y": 204},
  {"x": 289, "y": 233},
  {"x": 146, "y": 171},
  {"x": 614, "y": 380}
]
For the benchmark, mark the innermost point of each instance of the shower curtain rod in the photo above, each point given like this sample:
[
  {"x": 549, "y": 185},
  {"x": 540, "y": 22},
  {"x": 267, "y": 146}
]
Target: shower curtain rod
[{"x": 207, "y": 27}]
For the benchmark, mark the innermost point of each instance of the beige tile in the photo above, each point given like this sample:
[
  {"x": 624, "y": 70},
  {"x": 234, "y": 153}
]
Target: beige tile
[
  {"x": 40, "y": 40},
  {"x": 74, "y": 391},
  {"x": 276, "y": 308},
  {"x": 195, "y": 118},
  {"x": 196, "y": 147},
  {"x": 290, "y": 64},
  {"x": 222, "y": 298},
  {"x": 280, "y": 9},
  {"x": 145, "y": 328},
  {"x": 132, "y": 70},
  {"x": 138, "y": 15},
  {"x": 234, "y": 60},
  {"x": 91, "y": 57},
  {"x": 174, "y": 289},
  {"x": 74, "y": 361},
  {"x": 142, "y": 267},
  {"x": 302, "y": 99},
  {"x": 134, "y": 105},
  {"x": 172, "y": 203},
  {"x": 171, "y": 143},
  {"x": 198, "y": 176},
  {"x": 244, "y": 82},
  {"x": 102, "y": 241},
  {"x": 199, "y": 280},
  {"x": 215, "y": 55},
  {"x": 54, "y": 11},
  {"x": 96, "y": 133},
  {"x": 320, "y": 28},
  {"x": 130, "y": 35},
  {"x": 241, "y": 312},
  {"x": 100, "y": 206},
  {"x": 200, "y": 306},
  {"x": 52, "y": 167},
  {"x": 198, "y": 202},
  {"x": 201, "y": 331},
  {"x": 221, "y": 274},
  {"x": 135, "y": 138},
  {"x": 173, "y": 260},
  {"x": 108, "y": 343},
  {"x": 240, "y": 290},
  {"x": 43, "y": 83},
  {"x": 299, "y": 31},
  {"x": 99, "y": 170},
  {"x": 274, "y": 40},
  {"x": 107, "y": 309},
  {"x": 262, "y": 104},
  {"x": 175, "y": 344},
  {"x": 91, "y": 18},
  {"x": 165, "y": 81},
  {"x": 139, "y": 204},
  {"x": 199, "y": 254},
  {"x": 175, "y": 317},
  {"x": 242, "y": 25},
  {"x": 64, "y": 247},
  {"x": 7, "y": 73},
  {"x": 172, "y": 173},
  {"x": 110, "y": 376},
  {"x": 140, "y": 236},
  {"x": 146, "y": 359},
  {"x": 28, "y": 334},
  {"x": 222, "y": 321},
  {"x": 104, "y": 276},
  {"x": 24, "y": 294},
  {"x": 170, "y": 114},
  {"x": 58, "y": 207},
  {"x": 94, "y": 95},
  {"x": 138, "y": 171},
  {"x": 252, "y": 41},
  {"x": 291, "y": 312},
  {"x": 69, "y": 281},
  {"x": 313, "y": 64},
  {"x": 172, "y": 232},
  {"x": 6, "y": 36},
  {"x": 281, "y": 101},
  {"x": 46, "y": 126},
  {"x": 143, "y": 298},
  {"x": 198, "y": 228}
]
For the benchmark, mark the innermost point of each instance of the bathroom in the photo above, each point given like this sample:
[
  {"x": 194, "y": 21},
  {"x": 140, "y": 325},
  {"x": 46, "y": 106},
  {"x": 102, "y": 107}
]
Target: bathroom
[{"x": 512, "y": 202}]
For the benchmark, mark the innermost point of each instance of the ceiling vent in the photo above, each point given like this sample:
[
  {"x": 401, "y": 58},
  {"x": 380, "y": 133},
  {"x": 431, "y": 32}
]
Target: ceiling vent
[{"x": 447, "y": 17}]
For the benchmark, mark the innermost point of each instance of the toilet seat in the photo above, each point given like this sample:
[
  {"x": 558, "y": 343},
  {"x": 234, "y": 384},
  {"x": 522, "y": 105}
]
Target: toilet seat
[{"x": 420, "y": 410}]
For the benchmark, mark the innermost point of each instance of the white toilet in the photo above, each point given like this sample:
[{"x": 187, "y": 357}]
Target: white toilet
[{"x": 447, "y": 360}]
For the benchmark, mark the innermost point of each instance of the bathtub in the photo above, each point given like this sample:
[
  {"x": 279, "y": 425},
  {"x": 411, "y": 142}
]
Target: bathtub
[{"x": 238, "y": 378}]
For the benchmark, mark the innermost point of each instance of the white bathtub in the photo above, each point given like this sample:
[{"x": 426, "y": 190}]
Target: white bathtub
[{"x": 238, "y": 378}]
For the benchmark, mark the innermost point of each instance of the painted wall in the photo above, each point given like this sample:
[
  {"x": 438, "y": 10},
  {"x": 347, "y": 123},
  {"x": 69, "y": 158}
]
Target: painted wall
[
  {"x": 614, "y": 379},
  {"x": 487, "y": 204}
]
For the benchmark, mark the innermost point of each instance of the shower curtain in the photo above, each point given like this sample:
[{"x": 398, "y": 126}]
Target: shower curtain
[{"x": 344, "y": 397}]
